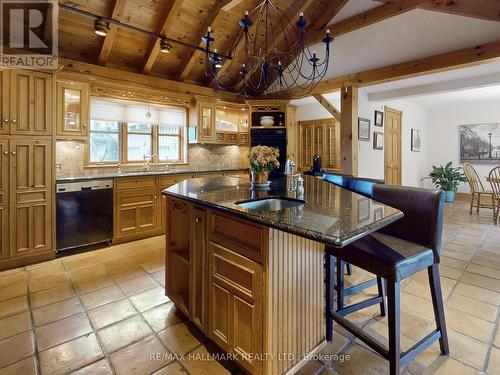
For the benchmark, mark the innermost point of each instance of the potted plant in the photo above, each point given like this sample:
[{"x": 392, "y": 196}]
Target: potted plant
[
  {"x": 447, "y": 178},
  {"x": 263, "y": 159}
]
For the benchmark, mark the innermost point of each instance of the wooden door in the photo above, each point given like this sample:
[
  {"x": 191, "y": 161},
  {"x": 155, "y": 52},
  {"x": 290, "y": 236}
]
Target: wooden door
[
  {"x": 73, "y": 108},
  {"x": 198, "y": 268},
  {"x": 4, "y": 102},
  {"x": 136, "y": 212},
  {"x": 235, "y": 305},
  {"x": 4, "y": 198},
  {"x": 393, "y": 131},
  {"x": 31, "y": 103},
  {"x": 31, "y": 191}
]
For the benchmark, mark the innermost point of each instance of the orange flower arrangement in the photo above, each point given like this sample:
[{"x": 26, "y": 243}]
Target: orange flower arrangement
[{"x": 264, "y": 158}]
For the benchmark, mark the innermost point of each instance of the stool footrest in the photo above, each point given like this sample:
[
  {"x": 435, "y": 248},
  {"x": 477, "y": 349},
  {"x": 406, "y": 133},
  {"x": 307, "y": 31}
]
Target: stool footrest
[
  {"x": 359, "y": 287},
  {"x": 360, "y": 306},
  {"x": 419, "y": 347}
]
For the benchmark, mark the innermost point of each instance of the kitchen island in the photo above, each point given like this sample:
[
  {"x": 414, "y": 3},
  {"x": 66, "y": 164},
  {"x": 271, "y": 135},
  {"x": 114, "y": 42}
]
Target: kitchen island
[{"x": 247, "y": 266}]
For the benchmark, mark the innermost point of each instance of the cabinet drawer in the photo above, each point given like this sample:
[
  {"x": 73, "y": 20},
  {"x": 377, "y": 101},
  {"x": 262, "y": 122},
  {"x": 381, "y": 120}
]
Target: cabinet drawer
[
  {"x": 232, "y": 138},
  {"x": 220, "y": 137},
  {"x": 244, "y": 238},
  {"x": 243, "y": 138},
  {"x": 135, "y": 183},
  {"x": 167, "y": 181}
]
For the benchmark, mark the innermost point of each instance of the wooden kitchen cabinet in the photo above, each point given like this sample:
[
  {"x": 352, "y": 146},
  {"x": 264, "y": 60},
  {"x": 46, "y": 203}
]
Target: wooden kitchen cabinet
[
  {"x": 31, "y": 191},
  {"x": 198, "y": 254},
  {"x": 136, "y": 209},
  {"x": 4, "y": 102},
  {"x": 30, "y": 109},
  {"x": 206, "y": 122},
  {"x": 73, "y": 108},
  {"x": 166, "y": 182},
  {"x": 235, "y": 316},
  {"x": 4, "y": 199}
]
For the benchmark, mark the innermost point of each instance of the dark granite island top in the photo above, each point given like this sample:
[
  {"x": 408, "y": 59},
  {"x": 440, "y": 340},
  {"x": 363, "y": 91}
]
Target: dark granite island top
[{"x": 331, "y": 215}]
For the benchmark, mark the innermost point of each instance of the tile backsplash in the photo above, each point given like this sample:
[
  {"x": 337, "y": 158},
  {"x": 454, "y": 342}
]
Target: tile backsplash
[{"x": 70, "y": 159}]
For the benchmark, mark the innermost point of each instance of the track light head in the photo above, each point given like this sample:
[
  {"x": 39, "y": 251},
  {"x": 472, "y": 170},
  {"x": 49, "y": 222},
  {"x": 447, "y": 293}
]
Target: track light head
[
  {"x": 100, "y": 27},
  {"x": 165, "y": 45}
]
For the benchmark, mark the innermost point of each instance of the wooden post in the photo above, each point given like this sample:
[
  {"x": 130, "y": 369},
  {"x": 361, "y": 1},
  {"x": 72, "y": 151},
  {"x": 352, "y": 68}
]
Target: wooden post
[{"x": 349, "y": 130}]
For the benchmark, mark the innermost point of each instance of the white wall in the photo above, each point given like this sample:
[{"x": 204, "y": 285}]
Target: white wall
[
  {"x": 444, "y": 122},
  {"x": 371, "y": 162}
]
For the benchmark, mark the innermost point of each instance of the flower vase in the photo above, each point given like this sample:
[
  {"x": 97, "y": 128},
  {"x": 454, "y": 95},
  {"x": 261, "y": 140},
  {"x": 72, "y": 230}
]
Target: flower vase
[{"x": 259, "y": 178}]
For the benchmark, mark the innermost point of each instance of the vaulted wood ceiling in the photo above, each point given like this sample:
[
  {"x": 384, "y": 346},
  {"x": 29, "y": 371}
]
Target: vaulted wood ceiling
[{"x": 187, "y": 21}]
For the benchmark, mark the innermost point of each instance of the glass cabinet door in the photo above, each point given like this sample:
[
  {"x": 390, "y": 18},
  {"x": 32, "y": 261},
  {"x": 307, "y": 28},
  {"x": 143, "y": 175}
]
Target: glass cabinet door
[
  {"x": 206, "y": 122},
  {"x": 73, "y": 108}
]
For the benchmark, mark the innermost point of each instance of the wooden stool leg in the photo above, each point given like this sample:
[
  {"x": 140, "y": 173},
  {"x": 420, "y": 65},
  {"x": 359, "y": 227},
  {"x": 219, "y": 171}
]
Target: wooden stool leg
[
  {"x": 437, "y": 303},
  {"x": 381, "y": 293},
  {"x": 329, "y": 280},
  {"x": 478, "y": 201},
  {"x": 340, "y": 284},
  {"x": 348, "y": 267},
  {"x": 472, "y": 203},
  {"x": 393, "y": 301}
]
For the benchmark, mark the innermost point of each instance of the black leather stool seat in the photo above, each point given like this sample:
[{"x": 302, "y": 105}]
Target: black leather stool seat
[{"x": 389, "y": 257}]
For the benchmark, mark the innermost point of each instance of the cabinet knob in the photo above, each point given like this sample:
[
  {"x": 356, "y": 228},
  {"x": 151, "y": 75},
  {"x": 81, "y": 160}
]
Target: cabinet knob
[
  {"x": 198, "y": 220},
  {"x": 156, "y": 197},
  {"x": 6, "y": 152},
  {"x": 84, "y": 125},
  {"x": 5, "y": 120},
  {"x": 14, "y": 121},
  {"x": 14, "y": 153}
]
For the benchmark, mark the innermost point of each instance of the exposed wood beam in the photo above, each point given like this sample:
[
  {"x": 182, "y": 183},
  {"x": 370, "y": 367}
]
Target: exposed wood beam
[
  {"x": 193, "y": 54},
  {"x": 231, "y": 4},
  {"x": 483, "y": 9},
  {"x": 366, "y": 18},
  {"x": 171, "y": 10},
  {"x": 328, "y": 106},
  {"x": 447, "y": 61},
  {"x": 109, "y": 39},
  {"x": 349, "y": 130}
]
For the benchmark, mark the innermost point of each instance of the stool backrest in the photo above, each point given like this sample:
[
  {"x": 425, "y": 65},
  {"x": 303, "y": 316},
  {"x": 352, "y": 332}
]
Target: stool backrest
[
  {"x": 494, "y": 178},
  {"x": 423, "y": 214},
  {"x": 473, "y": 179},
  {"x": 360, "y": 185}
]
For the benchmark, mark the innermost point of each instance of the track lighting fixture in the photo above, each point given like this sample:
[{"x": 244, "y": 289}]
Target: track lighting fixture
[
  {"x": 165, "y": 45},
  {"x": 100, "y": 27}
]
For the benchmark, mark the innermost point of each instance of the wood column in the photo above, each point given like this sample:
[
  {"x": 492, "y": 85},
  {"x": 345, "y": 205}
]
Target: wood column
[{"x": 349, "y": 130}]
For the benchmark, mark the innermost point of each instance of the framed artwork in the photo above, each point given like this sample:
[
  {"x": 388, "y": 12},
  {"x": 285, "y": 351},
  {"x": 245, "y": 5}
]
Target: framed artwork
[
  {"x": 480, "y": 144},
  {"x": 363, "y": 129},
  {"x": 363, "y": 209},
  {"x": 378, "y": 141},
  {"x": 416, "y": 139},
  {"x": 379, "y": 118}
]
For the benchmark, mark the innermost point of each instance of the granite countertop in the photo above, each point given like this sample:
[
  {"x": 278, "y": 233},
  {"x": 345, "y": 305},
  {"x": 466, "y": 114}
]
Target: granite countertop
[
  {"x": 331, "y": 215},
  {"x": 142, "y": 173}
]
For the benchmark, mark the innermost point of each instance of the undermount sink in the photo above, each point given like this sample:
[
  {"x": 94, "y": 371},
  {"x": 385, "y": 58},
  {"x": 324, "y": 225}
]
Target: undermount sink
[{"x": 270, "y": 203}]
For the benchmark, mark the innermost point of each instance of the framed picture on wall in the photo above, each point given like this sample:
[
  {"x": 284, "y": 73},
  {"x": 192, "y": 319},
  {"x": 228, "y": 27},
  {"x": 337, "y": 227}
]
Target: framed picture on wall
[
  {"x": 363, "y": 129},
  {"x": 416, "y": 140},
  {"x": 379, "y": 118},
  {"x": 480, "y": 144},
  {"x": 378, "y": 141}
]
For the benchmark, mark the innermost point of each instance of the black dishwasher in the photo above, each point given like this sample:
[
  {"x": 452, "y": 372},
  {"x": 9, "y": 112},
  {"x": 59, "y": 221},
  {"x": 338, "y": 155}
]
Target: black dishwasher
[{"x": 84, "y": 214}]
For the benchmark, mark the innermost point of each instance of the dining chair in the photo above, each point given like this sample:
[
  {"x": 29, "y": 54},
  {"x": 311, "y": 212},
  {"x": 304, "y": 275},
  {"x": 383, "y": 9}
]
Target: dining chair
[
  {"x": 394, "y": 253},
  {"x": 494, "y": 178},
  {"x": 477, "y": 189}
]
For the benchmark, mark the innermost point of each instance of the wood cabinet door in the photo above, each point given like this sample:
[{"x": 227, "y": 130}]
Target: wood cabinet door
[
  {"x": 31, "y": 190},
  {"x": 73, "y": 108},
  {"x": 4, "y": 198},
  {"x": 31, "y": 103},
  {"x": 206, "y": 122},
  {"x": 235, "y": 316},
  {"x": 198, "y": 268},
  {"x": 136, "y": 212},
  {"x": 4, "y": 102}
]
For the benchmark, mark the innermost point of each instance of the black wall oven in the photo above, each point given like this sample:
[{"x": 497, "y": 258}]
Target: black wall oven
[{"x": 272, "y": 138}]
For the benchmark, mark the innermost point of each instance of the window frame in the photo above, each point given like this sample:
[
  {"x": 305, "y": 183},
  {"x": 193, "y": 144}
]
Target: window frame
[
  {"x": 88, "y": 162},
  {"x": 155, "y": 144}
]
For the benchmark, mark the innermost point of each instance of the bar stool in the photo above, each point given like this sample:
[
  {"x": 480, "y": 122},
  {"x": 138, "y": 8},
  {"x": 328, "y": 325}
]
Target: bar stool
[
  {"x": 394, "y": 253},
  {"x": 362, "y": 186}
]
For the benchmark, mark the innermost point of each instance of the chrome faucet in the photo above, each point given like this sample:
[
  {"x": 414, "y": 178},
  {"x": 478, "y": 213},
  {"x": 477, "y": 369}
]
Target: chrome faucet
[
  {"x": 291, "y": 176},
  {"x": 146, "y": 163}
]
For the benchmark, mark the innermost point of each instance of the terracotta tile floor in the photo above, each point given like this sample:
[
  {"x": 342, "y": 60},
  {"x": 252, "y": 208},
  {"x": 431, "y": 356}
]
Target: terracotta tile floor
[{"x": 104, "y": 312}]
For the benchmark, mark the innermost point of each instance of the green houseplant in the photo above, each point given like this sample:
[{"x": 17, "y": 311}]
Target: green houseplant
[{"x": 447, "y": 178}]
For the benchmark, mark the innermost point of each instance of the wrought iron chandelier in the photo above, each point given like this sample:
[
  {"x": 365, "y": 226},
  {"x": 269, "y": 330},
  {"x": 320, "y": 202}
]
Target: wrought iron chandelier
[{"x": 274, "y": 59}]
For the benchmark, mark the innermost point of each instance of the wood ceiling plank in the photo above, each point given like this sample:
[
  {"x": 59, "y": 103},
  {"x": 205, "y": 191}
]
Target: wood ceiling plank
[
  {"x": 193, "y": 55},
  {"x": 328, "y": 106},
  {"x": 482, "y": 9},
  {"x": 171, "y": 9},
  {"x": 107, "y": 43},
  {"x": 466, "y": 57}
]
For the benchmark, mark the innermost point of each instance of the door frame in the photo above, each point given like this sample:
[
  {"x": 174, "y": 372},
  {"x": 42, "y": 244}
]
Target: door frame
[{"x": 386, "y": 133}]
